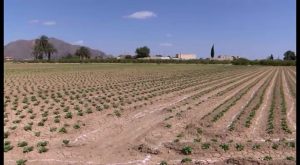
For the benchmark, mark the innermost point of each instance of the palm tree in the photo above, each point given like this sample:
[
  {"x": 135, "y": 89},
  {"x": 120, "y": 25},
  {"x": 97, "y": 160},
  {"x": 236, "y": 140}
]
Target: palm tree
[
  {"x": 37, "y": 50},
  {"x": 83, "y": 52},
  {"x": 50, "y": 50},
  {"x": 41, "y": 47}
]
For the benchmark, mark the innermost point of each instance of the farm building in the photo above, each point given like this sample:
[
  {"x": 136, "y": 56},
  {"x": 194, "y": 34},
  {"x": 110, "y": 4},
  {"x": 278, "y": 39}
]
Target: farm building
[
  {"x": 156, "y": 58},
  {"x": 186, "y": 56},
  {"x": 225, "y": 57},
  {"x": 7, "y": 58}
]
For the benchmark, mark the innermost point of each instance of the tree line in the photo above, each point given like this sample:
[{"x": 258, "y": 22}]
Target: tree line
[{"x": 42, "y": 47}]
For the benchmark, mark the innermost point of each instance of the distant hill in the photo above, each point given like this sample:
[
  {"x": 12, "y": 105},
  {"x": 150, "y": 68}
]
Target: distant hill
[{"x": 22, "y": 49}]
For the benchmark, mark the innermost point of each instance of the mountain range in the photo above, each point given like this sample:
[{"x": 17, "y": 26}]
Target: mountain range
[{"x": 22, "y": 49}]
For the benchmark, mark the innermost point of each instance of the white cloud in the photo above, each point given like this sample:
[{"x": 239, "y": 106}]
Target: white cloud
[
  {"x": 34, "y": 21},
  {"x": 166, "y": 44},
  {"x": 142, "y": 15},
  {"x": 46, "y": 23},
  {"x": 49, "y": 23},
  {"x": 79, "y": 42}
]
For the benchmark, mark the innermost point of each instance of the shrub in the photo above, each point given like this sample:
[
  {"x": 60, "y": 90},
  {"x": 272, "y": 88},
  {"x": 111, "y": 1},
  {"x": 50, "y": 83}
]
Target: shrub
[
  {"x": 62, "y": 130},
  {"x": 42, "y": 149},
  {"x": 186, "y": 160},
  {"x": 42, "y": 144},
  {"x": 8, "y": 147},
  {"x": 186, "y": 150},
  {"x": 163, "y": 163},
  {"x": 239, "y": 147},
  {"x": 290, "y": 144},
  {"x": 68, "y": 115},
  {"x": 53, "y": 129},
  {"x": 27, "y": 149},
  {"x": 225, "y": 147},
  {"x": 290, "y": 158},
  {"x": 168, "y": 126},
  {"x": 56, "y": 120},
  {"x": 21, "y": 162},
  {"x": 117, "y": 113},
  {"x": 66, "y": 142},
  {"x": 37, "y": 134},
  {"x": 256, "y": 146},
  {"x": 76, "y": 126},
  {"x": 22, "y": 144},
  {"x": 41, "y": 123},
  {"x": 275, "y": 146},
  {"x": 267, "y": 158},
  {"x": 205, "y": 145},
  {"x": 6, "y": 134}
]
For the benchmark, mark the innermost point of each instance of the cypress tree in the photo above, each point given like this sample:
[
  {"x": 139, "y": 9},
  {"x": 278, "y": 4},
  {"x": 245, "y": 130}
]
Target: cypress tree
[{"x": 212, "y": 52}]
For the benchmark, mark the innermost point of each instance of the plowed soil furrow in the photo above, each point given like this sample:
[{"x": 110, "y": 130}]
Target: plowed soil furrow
[
  {"x": 245, "y": 119},
  {"x": 187, "y": 117},
  {"x": 143, "y": 114},
  {"x": 290, "y": 104},
  {"x": 138, "y": 130},
  {"x": 219, "y": 111},
  {"x": 225, "y": 122},
  {"x": 221, "y": 88},
  {"x": 276, "y": 117},
  {"x": 291, "y": 84}
]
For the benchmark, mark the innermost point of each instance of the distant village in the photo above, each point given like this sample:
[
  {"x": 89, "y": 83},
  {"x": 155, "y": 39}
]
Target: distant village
[
  {"x": 179, "y": 56},
  {"x": 184, "y": 56}
]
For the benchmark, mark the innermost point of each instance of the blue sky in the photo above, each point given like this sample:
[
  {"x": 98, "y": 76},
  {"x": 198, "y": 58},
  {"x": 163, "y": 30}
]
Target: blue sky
[{"x": 249, "y": 28}]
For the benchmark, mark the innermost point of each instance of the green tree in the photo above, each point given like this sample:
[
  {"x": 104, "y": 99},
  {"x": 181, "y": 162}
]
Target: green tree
[
  {"x": 41, "y": 47},
  {"x": 289, "y": 55},
  {"x": 212, "y": 52},
  {"x": 271, "y": 57},
  {"x": 128, "y": 57},
  {"x": 50, "y": 50},
  {"x": 83, "y": 52},
  {"x": 37, "y": 50},
  {"x": 142, "y": 52}
]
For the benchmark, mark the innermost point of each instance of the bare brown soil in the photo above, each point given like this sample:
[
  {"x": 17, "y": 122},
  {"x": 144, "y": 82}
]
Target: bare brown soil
[{"x": 135, "y": 114}]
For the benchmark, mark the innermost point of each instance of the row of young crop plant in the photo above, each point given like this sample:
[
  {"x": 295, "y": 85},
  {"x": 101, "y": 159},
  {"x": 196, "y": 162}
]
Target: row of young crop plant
[
  {"x": 219, "y": 111},
  {"x": 251, "y": 106},
  {"x": 216, "y": 81},
  {"x": 236, "y": 85},
  {"x": 278, "y": 108},
  {"x": 256, "y": 107},
  {"x": 231, "y": 80},
  {"x": 216, "y": 85},
  {"x": 234, "y": 99},
  {"x": 44, "y": 114},
  {"x": 186, "y": 149},
  {"x": 291, "y": 85},
  {"x": 283, "y": 119}
]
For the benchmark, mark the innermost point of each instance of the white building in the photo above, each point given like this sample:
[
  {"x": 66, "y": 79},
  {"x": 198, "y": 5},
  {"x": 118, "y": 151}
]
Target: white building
[
  {"x": 156, "y": 58},
  {"x": 7, "y": 58},
  {"x": 225, "y": 57},
  {"x": 186, "y": 56}
]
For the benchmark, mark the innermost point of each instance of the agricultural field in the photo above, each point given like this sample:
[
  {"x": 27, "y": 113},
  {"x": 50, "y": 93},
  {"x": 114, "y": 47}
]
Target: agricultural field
[{"x": 149, "y": 114}]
